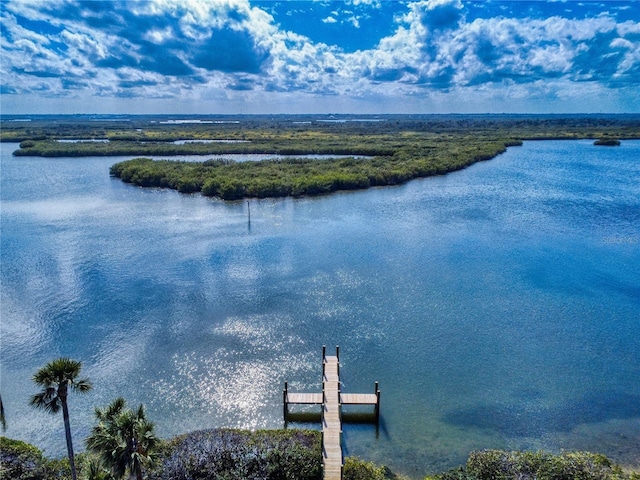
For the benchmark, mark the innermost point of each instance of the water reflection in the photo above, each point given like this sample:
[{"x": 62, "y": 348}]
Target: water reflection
[
  {"x": 485, "y": 302},
  {"x": 234, "y": 377},
  {"x": 535, "y": 418}
]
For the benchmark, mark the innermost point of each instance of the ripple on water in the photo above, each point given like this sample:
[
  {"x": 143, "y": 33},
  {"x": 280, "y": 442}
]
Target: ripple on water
[
  {"x": 234, "y": 377},
  {"x": 495, "y": 305}
]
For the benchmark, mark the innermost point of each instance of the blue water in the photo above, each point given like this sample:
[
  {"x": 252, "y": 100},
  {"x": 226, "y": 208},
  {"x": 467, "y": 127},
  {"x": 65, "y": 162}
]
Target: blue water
[{"x": 498, "y": 306}]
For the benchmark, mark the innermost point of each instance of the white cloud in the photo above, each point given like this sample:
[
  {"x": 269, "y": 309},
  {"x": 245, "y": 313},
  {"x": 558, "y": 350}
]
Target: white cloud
[
  {"x": 550, "y": 59},
  {"x": 228, "y": 50},
  {"x": 372, "y": 3}
]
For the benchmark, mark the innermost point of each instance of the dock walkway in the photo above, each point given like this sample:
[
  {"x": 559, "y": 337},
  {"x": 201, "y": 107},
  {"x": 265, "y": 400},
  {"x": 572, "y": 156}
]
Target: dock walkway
[{"x": 332, "y": 400}]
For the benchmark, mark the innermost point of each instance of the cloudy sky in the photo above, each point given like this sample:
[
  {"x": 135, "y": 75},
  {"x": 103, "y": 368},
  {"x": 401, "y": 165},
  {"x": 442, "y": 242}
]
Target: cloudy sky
[{"x": 317, "y": 56}]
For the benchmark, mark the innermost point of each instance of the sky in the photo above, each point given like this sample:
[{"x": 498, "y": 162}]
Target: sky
[{"x": 317, "y": 56}]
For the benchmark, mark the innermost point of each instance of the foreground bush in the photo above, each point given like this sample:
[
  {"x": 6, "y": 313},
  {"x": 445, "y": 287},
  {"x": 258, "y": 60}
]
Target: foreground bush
[
  {"x": 297, "y": 455},
  {"x": 356, "y": 469},
  {"x": 242, "y": 455},
  {"x": 501, "y": 465},
  {"x": 21, "y": 461}
]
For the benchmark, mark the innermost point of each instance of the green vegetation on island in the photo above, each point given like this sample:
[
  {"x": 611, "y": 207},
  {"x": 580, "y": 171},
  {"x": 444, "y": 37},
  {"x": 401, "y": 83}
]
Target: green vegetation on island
[
  {"x": 386, "y": 150},
  {"x": 607, "y": 142},
  {"x": 299, "y": 176}
]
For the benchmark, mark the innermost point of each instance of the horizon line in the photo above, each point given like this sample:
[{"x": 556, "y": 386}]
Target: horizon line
[{"x": 440, "y": 114}]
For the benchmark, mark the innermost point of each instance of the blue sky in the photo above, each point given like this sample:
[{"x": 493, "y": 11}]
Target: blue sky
[{"x": 316, "y": 56}]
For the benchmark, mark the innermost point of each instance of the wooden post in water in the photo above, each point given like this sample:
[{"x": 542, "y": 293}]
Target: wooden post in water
[
  {"x": 324, "y": 356},
  {"x": 377, "y": 408},
  {"x": 249, "y": 210},
  {"x": 285, "y": 401}
]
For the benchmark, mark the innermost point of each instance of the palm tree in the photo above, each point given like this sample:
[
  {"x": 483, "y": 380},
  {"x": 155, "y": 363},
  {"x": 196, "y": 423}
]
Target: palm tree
[
  {"x": 124, "y": 439},
  {"x": 57, "y": 378},
  {"x": 97, "y": 471}
]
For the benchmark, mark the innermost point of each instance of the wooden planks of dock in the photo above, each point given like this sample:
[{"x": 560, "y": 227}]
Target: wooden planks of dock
[
  {"x": 331, "y": 424},
  {"x": 331, "y": 401}
]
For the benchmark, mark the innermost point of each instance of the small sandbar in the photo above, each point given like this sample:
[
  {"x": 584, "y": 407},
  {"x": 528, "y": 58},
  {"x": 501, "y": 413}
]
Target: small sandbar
[
  {"x": 353, "y": 120},
  {"x": 182, "y": 142},
  {"x": 249, "y": 157},
  {"x": 83, "y": 140},
  {"x": 187, "y": 121}
]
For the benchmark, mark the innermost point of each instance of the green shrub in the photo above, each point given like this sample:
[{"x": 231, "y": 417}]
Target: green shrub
[
  {"x": 242, "y": 455},
  {"x": 357, "y": 469},
  {"x": 501, "y": 465},
  {"x": 21, "y": 461},
  {"x": 188, "y": 186},
  {"x": 459, "y": 473},
  {"x": 576, "y": 466}
]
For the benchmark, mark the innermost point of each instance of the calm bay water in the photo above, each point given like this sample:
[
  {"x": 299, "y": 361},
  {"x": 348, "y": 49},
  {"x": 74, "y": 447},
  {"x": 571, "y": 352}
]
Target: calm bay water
[{"x": 499, "y": 306}]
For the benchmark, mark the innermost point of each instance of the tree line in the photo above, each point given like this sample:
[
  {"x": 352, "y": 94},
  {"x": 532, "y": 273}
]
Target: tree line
[
  {"x": 138, "y": 128},
  {"x": 121, "y": 147}
]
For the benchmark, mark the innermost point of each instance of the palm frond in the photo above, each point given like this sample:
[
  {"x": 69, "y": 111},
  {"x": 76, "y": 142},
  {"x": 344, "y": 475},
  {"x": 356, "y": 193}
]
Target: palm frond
[
  {"x": 115, "y": 408},
  {"x": 81, "y": 386},
  {"x": 47, "y": 400},
  {"x": 97, "y": 471},
  {"x": 44, "y": 378},
  {"x": 140, "y": 413}
]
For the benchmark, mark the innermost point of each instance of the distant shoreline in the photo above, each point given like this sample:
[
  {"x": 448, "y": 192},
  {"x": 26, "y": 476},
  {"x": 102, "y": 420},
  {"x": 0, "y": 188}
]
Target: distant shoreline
[
  {"x": 239, "y": 116},
  {"x": 396, "y": 148}
]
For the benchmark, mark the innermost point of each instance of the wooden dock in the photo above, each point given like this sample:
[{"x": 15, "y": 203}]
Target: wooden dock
[{"x": 331, "y": 400}]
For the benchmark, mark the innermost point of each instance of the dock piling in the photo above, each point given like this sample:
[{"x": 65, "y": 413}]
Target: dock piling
[
  {"x": 285, "y": 400},
  {"x": 377, "y": 407}
]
